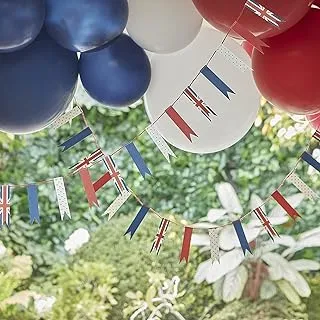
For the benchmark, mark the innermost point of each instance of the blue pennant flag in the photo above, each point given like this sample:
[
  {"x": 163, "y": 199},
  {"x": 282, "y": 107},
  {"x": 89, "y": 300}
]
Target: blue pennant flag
[
  {"x": 76, "y": 139},
  {"x": 307, "y": 157},
  {"x": 137, "y": 159},
  {"x": 216, "y": 81},
  {"x": 33, "y": 203},
  {"x": 137, "y": 221},
  {"x": 242, "y": 237}
]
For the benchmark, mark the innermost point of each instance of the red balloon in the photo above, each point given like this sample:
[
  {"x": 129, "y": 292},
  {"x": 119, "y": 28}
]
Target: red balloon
[
  {"x": 317, "y": 3},
  {"x": 287, "y": 74},
  {"x": 314, "y": 120},
  {"x": 222, "y": 14},
  {"x": 248, "y": 47}
]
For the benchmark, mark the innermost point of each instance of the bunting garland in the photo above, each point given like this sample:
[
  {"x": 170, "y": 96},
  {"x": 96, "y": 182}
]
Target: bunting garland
[
  {"x": 198, "y": 103},
  {"x": 250, "y": 37},
  {"x": 33, "y": 203},
  {"x": 214, "y": 245},
  {"x": 67, "y": 117},
  {"x": 62, "y": 197},
  {"x": 180, "y": 123},
  {"x": 308, "y": 158},
  {"x": 5, "y": 196},
  {"x": 266, "y": 223},
  {"x": 88, "y": 187},
  {"x": 117, "y": 204},
  {"x": 157, "y": 243},
  {"x": 137, "y": 221},
  {"x": 137, "y": 159},
  {"x": 76, "y": 139},
  {"x": 186, "y": 243},
  {"x": 303, "y": 187},
  {"x": 263, "y": 12},
  {"x": 160, "y": 142},
  {"x": 242, "y": 237},
  {"x": 88, "y": 161},
  {"x": 216, "y": 81},
  {"x": 285, "y": 205},
  {"x": 316, "y": 135}
]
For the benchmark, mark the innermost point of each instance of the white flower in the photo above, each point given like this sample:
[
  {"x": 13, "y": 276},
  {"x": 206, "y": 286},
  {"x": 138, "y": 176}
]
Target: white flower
[
  {"x": 44, "y": 304},
  {"x": 76, "y": 240}
]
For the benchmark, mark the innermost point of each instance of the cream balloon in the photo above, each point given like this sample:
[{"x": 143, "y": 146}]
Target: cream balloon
[
  {"x": 163, "y": 26},
  {"x": 171, "y": 74}
]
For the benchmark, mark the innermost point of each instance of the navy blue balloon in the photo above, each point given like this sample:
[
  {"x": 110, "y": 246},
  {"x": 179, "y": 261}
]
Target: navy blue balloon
[
  {"x": 37, "y": 84},
  {"x": 116, "y": 75},
  {"x": 20, "y": 23},
  {"x": 83, "y": 25}
]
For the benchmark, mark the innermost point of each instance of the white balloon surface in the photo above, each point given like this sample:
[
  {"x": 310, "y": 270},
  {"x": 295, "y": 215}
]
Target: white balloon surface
[
  {"x": 171, "y": 74},
  {"x": 163, "y": 26}
]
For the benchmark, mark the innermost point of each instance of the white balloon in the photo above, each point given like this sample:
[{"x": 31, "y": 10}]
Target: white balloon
[
  {"x": 163, "y": 26},
  {"x": 171, "y": 74}
]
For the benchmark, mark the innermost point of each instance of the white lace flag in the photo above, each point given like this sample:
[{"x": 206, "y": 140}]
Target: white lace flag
[
  {"x": 62, "y": 197},
  {"x": 214, "y": 244},
  {"x": 231, "y": 57},
  {"x": 160, "y": 143},
  {"x": 117, "y": 204},
  {"x": 302, "y": 186},
  {"x": 65, "y": 118}
]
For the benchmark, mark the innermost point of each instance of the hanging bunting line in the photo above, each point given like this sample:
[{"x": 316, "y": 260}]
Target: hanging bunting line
[
  {"x": 198, "y": 103},
  {"x": 186, "y": 243},
  {"x": 5, "y": 196},
  {"x": 266, "y": 223},
  {"x": 307, "y": 157},
  {"x": 316, "y": 135},
  {"x": 137, "y": 221},
  {"x": 116, "y": 205},
  {"x": 263, "y": 12},
  {"x": 157, "y": 243},
  {"x": 62, "y": 198},
  {"x": 180, "y": 123},
  {"x": 214, "y": 245},
  {"x": 250, "y": 37},
  {"x": 216, "y": 81},
  {"x": 33, "y": 203},
  {"x": 88, "y": 187},
  {"x": 285, "y": 205},
  {"x": 241, "y": 236},
  {"x": 302, "y": 186},
  {"x": 88, "y": 161},
  {"x": 76, "y": 139},
  {"x": 65, "y": 118}
]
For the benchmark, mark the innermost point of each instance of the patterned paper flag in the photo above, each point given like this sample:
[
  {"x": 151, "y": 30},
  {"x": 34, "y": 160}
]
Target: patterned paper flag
[
  {"x": 250, "y": 37},
  {"x": 76, "y": 139},
  {"x": 241, "y": 236},
  {"x": 137, "y": 221},
  {"x": 180, "y": 123},
  {"x": 307, "y": 157},
  {"x": 160, "y": 142},
  {"x": 199, "y": 103},
  {"x": 115, "y": 174},
  {"x": 62, "y": 197},
  {"x": 214, "y": 245},
  {"x": 266, "y": 223},
  {"x": 216, "y": 81},
  {"x": 87, "y": 161},
  {"x": 88, "y": 187},
  {"x": 157, "y": 243},
  {"x": 304, "y": 188},
  {"x": 5, "y": 196},
  {"x": 33, "y": 203},
  {"x": 137, "y": 159},
  {"x": 263, "y": 12},
  {"x": 233, "y": 59},
  {"x": 65, "y": 118},
  {"x": 116, "y": 205},
  {"x": 185, "y": 250},
  {"x": 316, "y": 135},
  {"x": 285, "y": 205}
]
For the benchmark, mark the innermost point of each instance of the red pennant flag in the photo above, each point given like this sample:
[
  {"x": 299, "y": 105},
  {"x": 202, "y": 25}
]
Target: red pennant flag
[
  {"x": 102, "y": 181},
  {"x": 181, "y": 124},
  {"x": 285, "y": 205},
  {"x": 88, "y": 187},
  {"x": 250, "y": 37},
  {"x": 185, "y": 250}
]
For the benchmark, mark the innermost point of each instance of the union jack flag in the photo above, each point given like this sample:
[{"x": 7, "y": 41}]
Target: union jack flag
[
  {"x": 263, "y": 12},
  {"x": 156, "y": 246},
  {"x": 87, "y": 161},
  {"x": 5, "y": 195},
  {"x": 317, "y": 135},
  {"x": 198, "y": 102},
  {"x": 266, "y": 223},
  {"x": 115, "y": 175}
]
